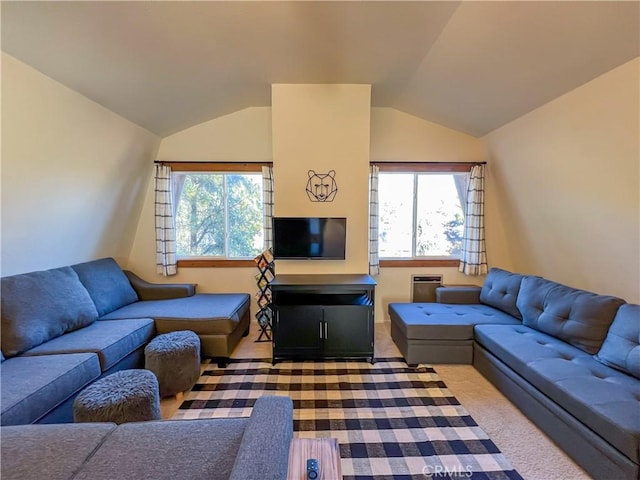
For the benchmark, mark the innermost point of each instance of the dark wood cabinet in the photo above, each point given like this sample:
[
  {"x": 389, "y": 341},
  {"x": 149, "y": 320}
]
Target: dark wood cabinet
[
  {"x": 302, "y": 336},
  {"x": 323, "y": 316}
]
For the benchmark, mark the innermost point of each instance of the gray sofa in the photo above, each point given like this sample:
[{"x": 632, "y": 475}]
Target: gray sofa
[
  {"x": 568, "y": 358},
  {"x": 66, "y": 327},
  {"x": 215, "y": 449}
]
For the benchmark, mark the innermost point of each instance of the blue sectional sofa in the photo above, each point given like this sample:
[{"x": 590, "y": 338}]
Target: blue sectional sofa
[
  {"x": 568, "y": 358},
  {"x": 215, "y": 449},
  {"x": 66, "y": 327}
]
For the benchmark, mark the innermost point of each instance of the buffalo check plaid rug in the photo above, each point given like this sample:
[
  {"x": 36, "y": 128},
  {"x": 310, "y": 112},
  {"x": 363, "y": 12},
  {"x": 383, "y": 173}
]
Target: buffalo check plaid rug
[{"x": 392, "y": 421}]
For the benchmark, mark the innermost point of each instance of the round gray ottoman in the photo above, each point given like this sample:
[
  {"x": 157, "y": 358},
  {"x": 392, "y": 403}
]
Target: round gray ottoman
[
  {"x": 124, "y": 396},
  {"x": 175, "y": 359}
]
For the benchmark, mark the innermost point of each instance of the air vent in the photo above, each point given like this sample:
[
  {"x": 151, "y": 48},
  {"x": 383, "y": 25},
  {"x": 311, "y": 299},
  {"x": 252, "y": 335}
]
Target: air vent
[{"x": 423, "y": 288}]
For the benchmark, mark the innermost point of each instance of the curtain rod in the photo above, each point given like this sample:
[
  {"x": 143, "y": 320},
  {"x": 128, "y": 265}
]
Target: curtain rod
[
  {"x": 373, "y": 163},
  {"x": 206, "y": 162},
  {"x": 430, "y": 163}
]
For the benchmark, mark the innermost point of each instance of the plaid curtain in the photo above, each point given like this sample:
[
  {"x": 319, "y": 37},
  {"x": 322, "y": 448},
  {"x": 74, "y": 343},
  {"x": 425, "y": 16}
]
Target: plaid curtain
[
  {"x": 374, "y": 261},
  {"x": 165, "y": 228},
  {"x": 473, "y": 260},
  {"x": 267, "y": 200}
]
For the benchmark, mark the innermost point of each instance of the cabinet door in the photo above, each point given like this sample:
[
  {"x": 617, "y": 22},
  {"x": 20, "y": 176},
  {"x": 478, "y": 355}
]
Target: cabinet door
[
  {"x": 349, "y": 331},
  {"x": 297, "y": 329}
]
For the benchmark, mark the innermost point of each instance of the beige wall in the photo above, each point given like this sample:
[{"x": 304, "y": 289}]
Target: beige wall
[
  {"x": 568, "y": 183},
  {"x": 562, "y": 182},
  {"x": 243, "y": 136},
  {"x": 247, "y": 135},
  {"x": 398, "y": 136},
  {"x": 73, "y": 174},
  {"x": 323, "y": 128},
  {"x": 240, "y": 136}
]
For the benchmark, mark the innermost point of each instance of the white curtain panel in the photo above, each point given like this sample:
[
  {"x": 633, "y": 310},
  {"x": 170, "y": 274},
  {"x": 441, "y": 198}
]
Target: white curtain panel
[
  {"x": 473, "y": 260},
  {"x": 267, "y": 198},
  {"x": 374, "y": 261},
  {"x": 461, "y": 181},
  {"x": 165, "y": 227}
]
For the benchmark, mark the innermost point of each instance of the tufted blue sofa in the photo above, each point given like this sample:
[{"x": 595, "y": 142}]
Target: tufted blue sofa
[
  {"x": 214, "y": 448},
  {"x": 64, "y": 328},
  {"x": 568, "y": 358},
  {"x": 442, "y": 332}
]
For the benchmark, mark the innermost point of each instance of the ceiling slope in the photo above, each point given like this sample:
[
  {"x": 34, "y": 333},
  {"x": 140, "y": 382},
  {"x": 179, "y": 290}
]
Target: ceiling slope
[{"x": 471, "y": 66}]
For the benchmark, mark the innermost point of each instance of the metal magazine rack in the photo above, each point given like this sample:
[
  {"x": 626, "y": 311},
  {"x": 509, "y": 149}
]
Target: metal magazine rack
[{"x": 266, "y": 273}]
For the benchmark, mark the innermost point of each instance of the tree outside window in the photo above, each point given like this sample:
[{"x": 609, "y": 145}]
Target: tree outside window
[
  {"x": 421, "y": 214},
  {"x": 218, "y": 214}
]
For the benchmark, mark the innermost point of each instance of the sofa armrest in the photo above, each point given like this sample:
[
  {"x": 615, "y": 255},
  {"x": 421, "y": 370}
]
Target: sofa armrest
[
  {"x": 264, "y": 450},
  {"x": 159, "y": 291},
  {"x": 468, "y": 294}
]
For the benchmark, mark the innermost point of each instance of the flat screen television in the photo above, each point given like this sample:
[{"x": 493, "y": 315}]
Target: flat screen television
[{"x": 309, "y": 238}]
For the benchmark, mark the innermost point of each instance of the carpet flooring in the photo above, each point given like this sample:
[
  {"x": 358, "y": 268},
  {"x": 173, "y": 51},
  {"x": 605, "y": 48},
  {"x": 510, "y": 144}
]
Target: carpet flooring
[{"x": 391, "y": 421}]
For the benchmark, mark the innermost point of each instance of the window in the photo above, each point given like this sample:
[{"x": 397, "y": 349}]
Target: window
[
  {"x": 421, "y": 214},
  {"x": 218, "y": 214}
]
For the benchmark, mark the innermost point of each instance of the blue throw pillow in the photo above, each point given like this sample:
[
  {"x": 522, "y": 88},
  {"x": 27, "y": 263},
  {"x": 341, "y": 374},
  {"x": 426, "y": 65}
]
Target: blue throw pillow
[
  {"x": 500, "y": 290},
  {"x": 578, "y": 317},
  {"x": 107, "y": 284},
  {"x": 39, "y": 306},
  {"x": 621, "y": 348}
]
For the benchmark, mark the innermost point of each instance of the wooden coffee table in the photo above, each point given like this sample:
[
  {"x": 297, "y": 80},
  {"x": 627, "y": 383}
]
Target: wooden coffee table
[{"x": 325, "y": 450}]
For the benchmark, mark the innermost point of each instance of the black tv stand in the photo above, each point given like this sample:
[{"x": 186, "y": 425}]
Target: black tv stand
[{"x": 317, "y": 317}]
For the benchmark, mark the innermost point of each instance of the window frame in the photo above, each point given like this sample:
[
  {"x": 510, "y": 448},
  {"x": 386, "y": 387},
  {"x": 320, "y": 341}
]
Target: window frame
[
  {"x": 422, "y": 167},
  {"x": 216, "y": 167}
]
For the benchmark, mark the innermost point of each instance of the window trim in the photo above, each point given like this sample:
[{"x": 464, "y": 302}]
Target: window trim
[
  {"x": 210, "y": 263},
  {"x": 409, "y": 167},
  {"x": 424, "y": 262},
  {"x": 422, "y": 167},
  {"x": 428, "y": 167},
  {"x": 215, "y": 167}
]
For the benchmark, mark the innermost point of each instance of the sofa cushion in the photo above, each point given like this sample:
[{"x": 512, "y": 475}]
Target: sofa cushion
[
  {"x": 203, "y": 313},
  {"x": 111, "y": 341},
  {"x": 602, "y": 398},
  {"x": 621, "y": 347},
  {"x": 500, "y": 290},
  {"x": 459, "y": 294},
  {"x": 578, "y": 317},
  {"x": 438, "y": 321},
  {"x": 131, "y": 451},
  {"x": 61, "y": 449},
  {"x": 271, "y": 424},
  {"x": 107, "y": 284},
  {"x": 32, "y": 386},
  {"x": 39, "y": 306}
]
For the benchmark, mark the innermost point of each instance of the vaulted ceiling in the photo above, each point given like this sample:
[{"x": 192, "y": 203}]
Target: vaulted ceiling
[{"x": 472, "y": 65}]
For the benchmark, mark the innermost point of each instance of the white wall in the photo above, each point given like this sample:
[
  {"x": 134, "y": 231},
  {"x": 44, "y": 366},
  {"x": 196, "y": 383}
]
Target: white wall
[
  {"x": 73, "y": 174},
  {"x": 568, "y": 182}
]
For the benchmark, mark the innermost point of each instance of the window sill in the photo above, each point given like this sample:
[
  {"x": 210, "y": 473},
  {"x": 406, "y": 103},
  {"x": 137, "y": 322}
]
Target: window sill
[
  {"x": 209, "y": 263},
  {"x": 194, "y": 263},
  {"x": 420, "y": 263}
]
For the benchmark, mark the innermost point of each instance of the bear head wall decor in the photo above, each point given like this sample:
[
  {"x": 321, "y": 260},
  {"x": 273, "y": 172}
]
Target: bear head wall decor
[{"x": 322, "y": 187}]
